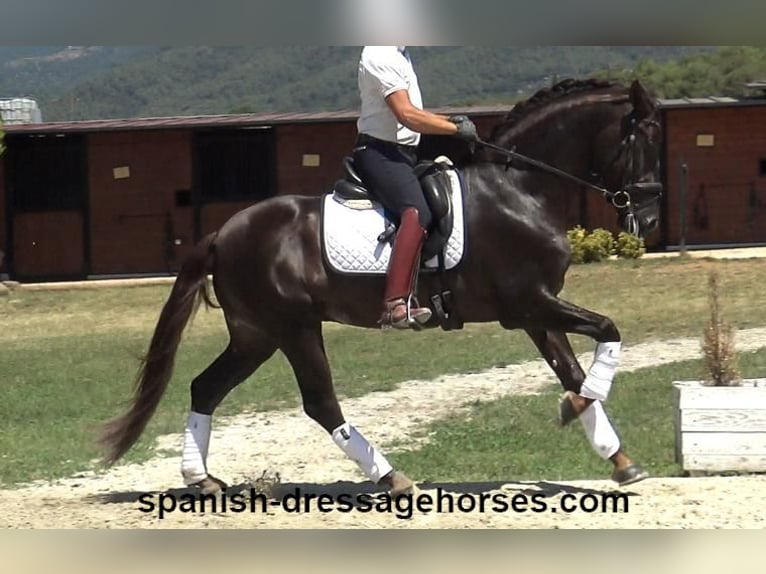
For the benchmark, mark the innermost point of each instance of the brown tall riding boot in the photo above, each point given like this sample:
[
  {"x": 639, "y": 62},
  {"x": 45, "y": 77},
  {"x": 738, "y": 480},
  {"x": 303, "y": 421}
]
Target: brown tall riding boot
[{"x": 402, "y": 270}]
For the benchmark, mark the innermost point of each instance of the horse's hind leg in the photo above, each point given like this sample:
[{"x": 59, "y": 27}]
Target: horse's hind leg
[
  {"x": 304, "y": 349},
  {"x": 231, "y": 368},
  {"x": 557, "y": 351}
]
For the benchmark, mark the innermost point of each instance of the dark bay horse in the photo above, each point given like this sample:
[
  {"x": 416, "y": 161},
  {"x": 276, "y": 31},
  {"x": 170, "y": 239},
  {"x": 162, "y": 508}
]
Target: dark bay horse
[{"x": 275, "y": 289}]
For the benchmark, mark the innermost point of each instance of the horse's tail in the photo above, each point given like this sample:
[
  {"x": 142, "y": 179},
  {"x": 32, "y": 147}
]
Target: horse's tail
[{"x": 156, "y": 368}]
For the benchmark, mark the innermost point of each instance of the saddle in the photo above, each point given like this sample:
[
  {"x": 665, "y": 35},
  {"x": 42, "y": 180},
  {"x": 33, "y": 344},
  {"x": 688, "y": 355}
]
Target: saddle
[{"x": 435, "y": 185}]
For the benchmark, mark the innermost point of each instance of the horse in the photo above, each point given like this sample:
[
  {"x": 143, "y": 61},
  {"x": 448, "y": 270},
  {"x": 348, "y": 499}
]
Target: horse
[{"x": 273, "y": 284}]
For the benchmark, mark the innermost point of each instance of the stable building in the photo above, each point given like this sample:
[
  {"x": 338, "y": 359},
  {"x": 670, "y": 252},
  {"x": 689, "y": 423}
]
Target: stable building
[
  {"x": 714, "y": 170},
  {"x": 108, "y": 198}
]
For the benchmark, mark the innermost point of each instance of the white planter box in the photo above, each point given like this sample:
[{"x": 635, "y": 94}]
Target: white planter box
[{"x": 720, "y": 429}]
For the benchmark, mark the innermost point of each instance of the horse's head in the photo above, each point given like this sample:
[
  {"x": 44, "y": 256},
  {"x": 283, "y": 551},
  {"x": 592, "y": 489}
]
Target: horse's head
[
  {"x": 627, "y": 157},
  {"x": 580, "y": 129}
]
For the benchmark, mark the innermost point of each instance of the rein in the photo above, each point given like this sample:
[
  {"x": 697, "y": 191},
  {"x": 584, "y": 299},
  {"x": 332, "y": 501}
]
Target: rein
[{"x": 614, "y": 197}]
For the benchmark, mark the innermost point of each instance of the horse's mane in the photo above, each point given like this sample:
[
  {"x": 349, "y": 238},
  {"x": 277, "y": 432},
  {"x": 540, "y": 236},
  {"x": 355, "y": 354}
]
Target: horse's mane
[{"x": 543, "y": 98}]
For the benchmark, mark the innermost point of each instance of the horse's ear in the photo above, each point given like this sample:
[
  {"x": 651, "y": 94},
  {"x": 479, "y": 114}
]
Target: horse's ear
[{"x": 643, "y": 103}]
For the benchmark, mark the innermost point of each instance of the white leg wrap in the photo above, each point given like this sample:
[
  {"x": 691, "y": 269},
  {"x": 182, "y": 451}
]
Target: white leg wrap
[
  {"x": 356, "y": 447},
  {"x": 599, "y": 430},
  {"x": 598, "y": 382},
  {"x": 196, "y": 442}
]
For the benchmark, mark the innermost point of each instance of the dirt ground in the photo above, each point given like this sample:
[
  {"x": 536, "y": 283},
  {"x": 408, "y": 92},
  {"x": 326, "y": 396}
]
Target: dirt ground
[{"x": 288, "y": 443}]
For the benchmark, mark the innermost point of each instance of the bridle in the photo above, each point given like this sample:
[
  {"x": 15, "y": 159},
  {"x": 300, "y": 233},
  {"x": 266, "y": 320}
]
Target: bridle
[
  {"x": 621, "y": 199},
  {"x": 628, "y": 144}
]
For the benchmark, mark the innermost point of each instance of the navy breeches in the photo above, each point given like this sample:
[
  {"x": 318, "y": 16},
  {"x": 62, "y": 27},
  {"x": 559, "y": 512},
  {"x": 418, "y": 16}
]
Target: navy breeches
[{"x": 387, "y": 169}]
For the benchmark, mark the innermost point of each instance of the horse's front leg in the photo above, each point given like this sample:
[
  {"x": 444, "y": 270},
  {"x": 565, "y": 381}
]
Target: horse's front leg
[
  {"x": 557, "y": 351},
  {"x": 555, "y": 348},
  {"x": 552, "y": 318}
]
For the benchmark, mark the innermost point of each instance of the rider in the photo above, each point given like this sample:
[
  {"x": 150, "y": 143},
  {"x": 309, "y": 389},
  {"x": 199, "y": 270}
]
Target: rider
[{"x": 390, "y": 124}]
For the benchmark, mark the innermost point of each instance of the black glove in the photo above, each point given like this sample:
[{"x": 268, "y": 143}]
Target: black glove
[{"x": 466, "y": 129}]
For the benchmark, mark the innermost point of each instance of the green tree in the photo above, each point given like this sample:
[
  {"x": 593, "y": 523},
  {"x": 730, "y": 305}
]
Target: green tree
[{"x": 723, "y": 72}]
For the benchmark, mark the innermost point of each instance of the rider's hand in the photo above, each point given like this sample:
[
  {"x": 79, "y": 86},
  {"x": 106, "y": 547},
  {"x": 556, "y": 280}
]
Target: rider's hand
[{"x": 466, "y": 129}]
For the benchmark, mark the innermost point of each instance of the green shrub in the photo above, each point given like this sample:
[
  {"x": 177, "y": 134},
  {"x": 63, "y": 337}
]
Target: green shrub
[
  {"x": 590, "y": 247},
  {"x": 629, "y": 246},
  {"x": 576, "y": 239},
  {"x": 601, "y": 244}
]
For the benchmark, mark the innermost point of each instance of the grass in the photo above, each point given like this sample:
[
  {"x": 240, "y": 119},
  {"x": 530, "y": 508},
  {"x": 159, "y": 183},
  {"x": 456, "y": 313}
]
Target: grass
[
  {"x": 68, "y": 358},
  {"x": 56, "y": 390},
  {"x": 517, "y": 437}
]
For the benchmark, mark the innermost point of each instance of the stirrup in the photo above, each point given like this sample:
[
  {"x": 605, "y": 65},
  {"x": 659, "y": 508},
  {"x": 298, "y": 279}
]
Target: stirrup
[{"x": 414, "y": 317}]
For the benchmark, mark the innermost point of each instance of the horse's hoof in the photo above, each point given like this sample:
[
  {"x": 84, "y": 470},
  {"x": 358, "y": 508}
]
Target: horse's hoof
[
  {"x": 629, "y": 475},
  {"x": 210, "y": 485},
  {"x": 400, "y": 484},
  {"x": 567, "y": 411}
]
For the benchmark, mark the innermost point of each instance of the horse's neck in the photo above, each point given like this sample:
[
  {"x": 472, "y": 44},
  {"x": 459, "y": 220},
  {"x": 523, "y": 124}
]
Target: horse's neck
[
  {"x": 570, "y": 151},
  {"x": 561, "y": 139}
]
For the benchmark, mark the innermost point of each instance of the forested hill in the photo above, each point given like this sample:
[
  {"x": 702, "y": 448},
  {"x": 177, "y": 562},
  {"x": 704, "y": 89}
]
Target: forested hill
[{"x": 75, "y": 82}]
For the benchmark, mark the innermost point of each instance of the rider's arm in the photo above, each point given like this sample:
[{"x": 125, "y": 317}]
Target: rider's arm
[{"x": 420, "y": 121}]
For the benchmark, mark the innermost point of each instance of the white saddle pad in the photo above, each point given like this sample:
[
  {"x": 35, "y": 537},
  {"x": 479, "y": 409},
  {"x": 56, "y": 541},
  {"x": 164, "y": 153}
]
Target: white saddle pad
[{"x": 350, "y": 231}]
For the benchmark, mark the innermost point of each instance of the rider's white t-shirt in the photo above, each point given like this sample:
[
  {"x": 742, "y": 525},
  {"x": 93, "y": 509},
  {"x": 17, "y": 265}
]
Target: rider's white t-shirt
[{"x": 384, "y": 70}]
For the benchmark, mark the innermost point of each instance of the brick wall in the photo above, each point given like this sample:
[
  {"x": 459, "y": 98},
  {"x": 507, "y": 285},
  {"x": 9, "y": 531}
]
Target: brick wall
[
  {"x": 134, "y": 221},
  {"x": 330, "y": 141},
  {"x": 726, "y": 195}
]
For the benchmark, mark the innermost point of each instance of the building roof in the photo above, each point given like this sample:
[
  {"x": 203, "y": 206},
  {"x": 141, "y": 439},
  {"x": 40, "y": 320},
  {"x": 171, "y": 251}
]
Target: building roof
[
  {"x": 271, "y": 119},
  {"x": 711, "y": 102},
  {"x": 213, "y": 121}
]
